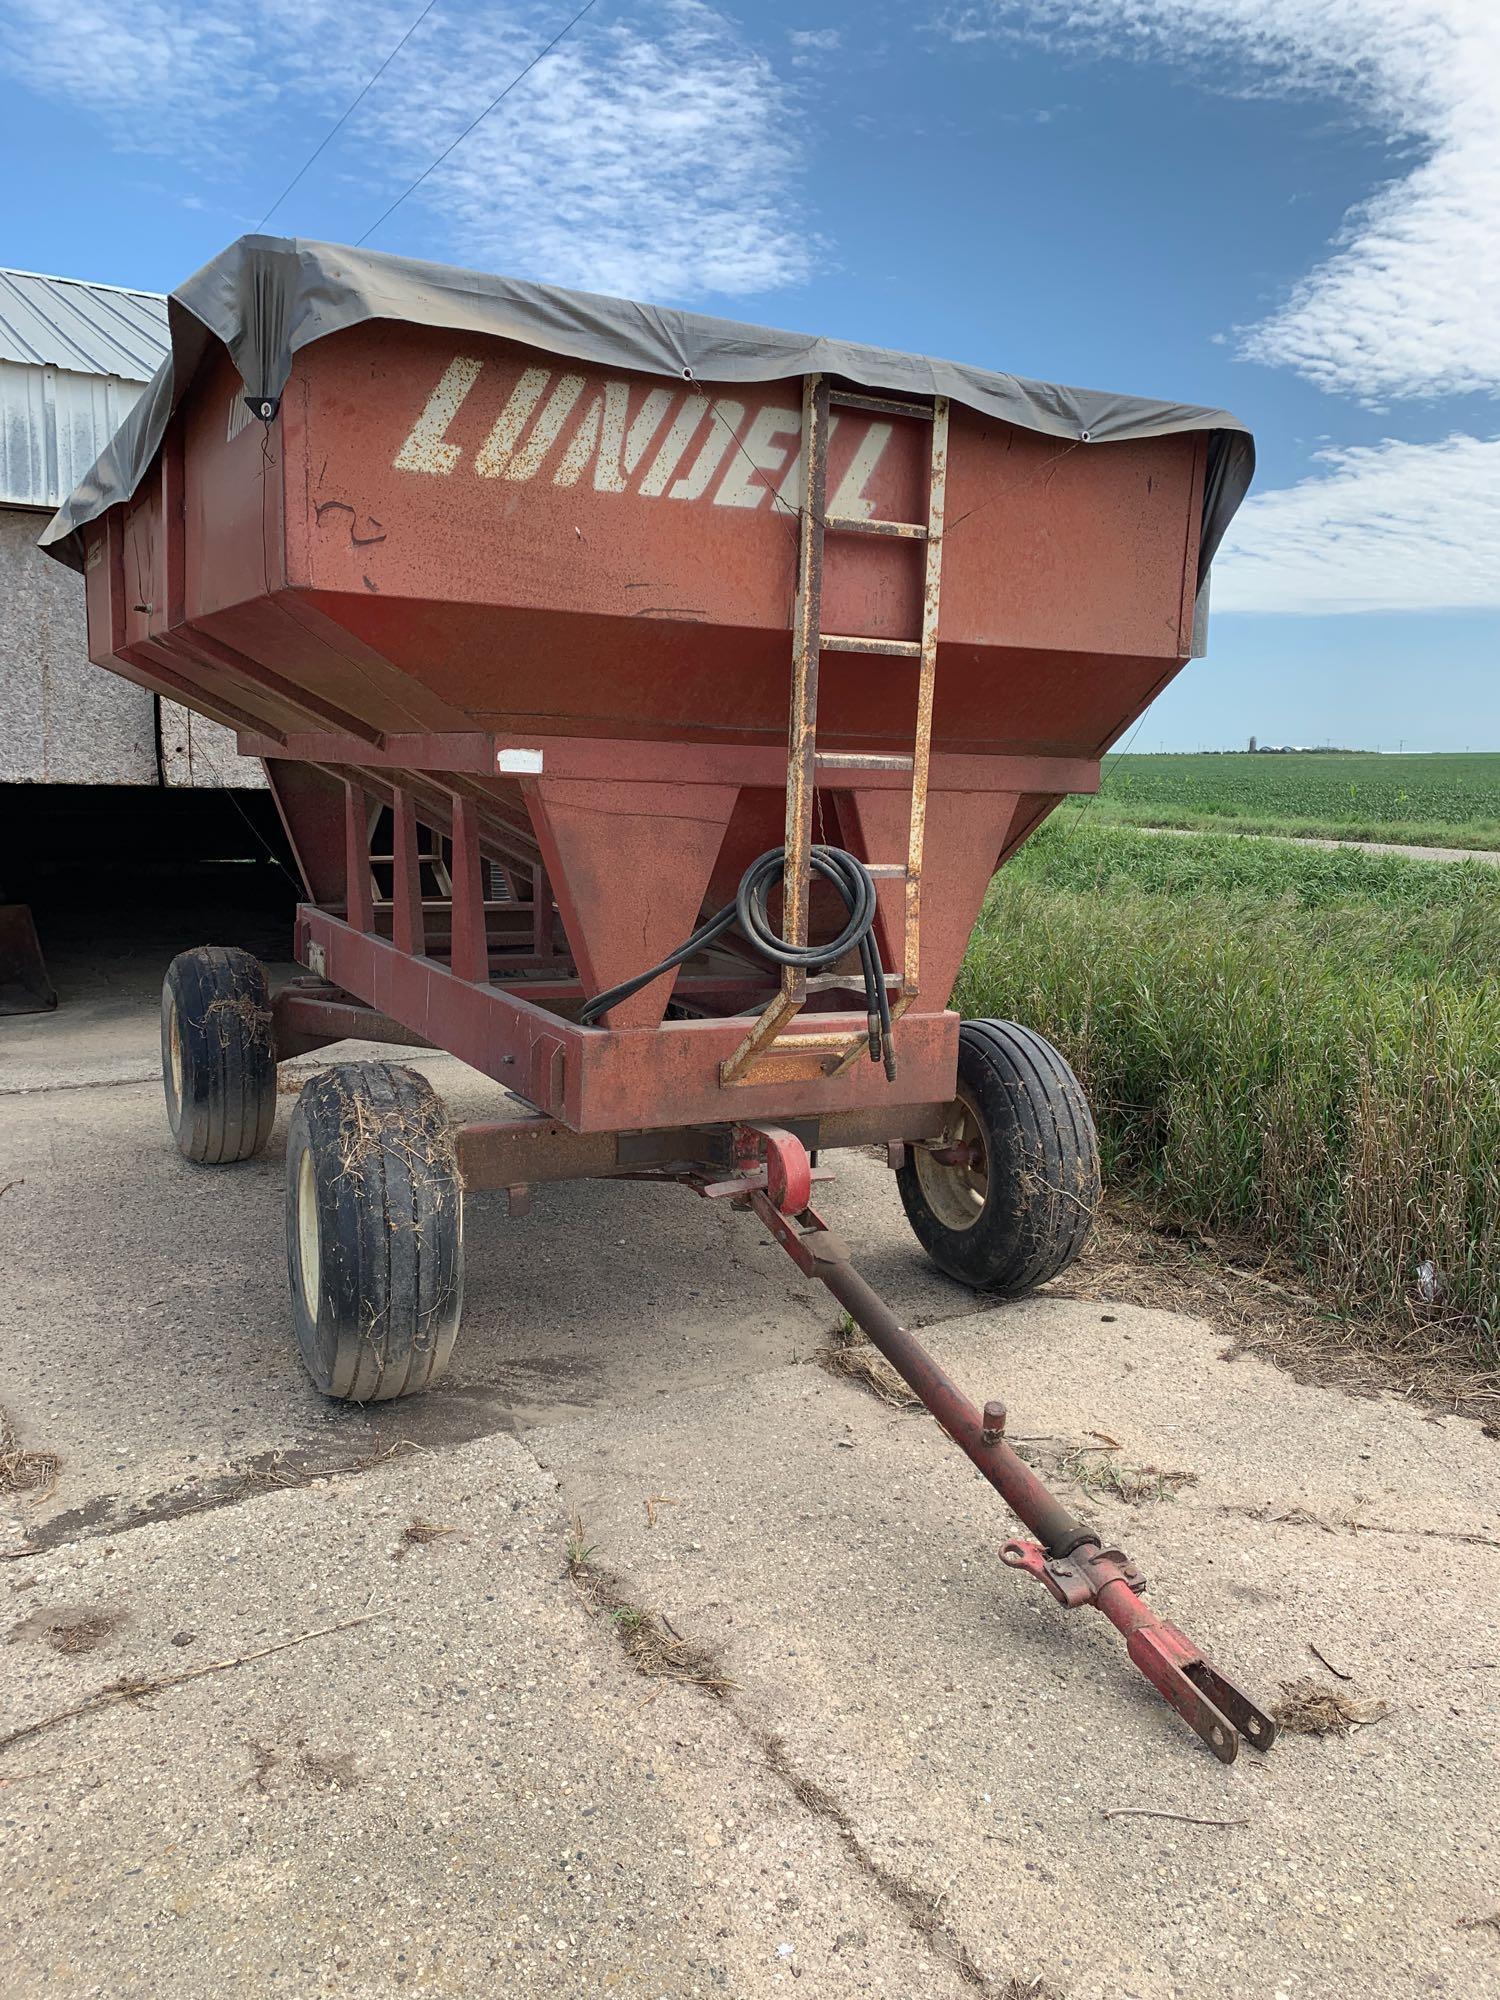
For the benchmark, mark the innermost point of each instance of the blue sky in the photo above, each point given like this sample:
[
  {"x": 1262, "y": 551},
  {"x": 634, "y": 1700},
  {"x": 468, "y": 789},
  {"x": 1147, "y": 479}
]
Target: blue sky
[{"x": 1287, "y": 210}]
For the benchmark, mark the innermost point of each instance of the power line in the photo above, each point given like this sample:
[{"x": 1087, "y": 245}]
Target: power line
[
  {"x": 334, "y": 130},
  {"x": 517, "y": 78}
]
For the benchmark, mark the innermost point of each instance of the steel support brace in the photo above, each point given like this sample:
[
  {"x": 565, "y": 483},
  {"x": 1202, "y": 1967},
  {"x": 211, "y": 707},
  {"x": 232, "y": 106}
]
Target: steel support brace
[{"x": 1068, "y": 1558}]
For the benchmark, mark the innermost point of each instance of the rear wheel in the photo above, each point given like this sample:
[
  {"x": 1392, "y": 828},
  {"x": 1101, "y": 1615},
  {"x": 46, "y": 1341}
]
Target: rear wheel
[
  {"x": 1004, "y": 1200},
  {"x": 374, "y": 1232},
  {"x": 218, "y": 1060}
]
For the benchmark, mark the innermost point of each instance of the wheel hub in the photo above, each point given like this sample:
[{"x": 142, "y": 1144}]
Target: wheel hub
[
  {"x": 174, "y": 1049},
  {"x": 955, "y": 1175},
  {"x": 309, "y": 1246}
]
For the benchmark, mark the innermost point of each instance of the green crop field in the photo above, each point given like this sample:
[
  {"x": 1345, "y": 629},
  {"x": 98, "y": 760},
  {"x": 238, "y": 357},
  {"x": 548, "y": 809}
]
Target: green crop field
[
  {"x": 1297, "y": 1047},
  {"x": 1451, "y": 800}
]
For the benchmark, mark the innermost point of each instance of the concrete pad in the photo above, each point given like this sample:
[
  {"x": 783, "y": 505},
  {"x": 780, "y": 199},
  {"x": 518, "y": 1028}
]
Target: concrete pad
[
  {"x": 921, "y": 1749},
  {"x": 106, "y": 1028},
  {"x": 148, "y": 1337},
  {"x": 470, "y": 1793},
  {"x": 107, "y": 957},
  {"x": 843, "y": 1557}
]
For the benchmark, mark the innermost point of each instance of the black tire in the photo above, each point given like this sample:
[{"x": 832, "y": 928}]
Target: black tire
[
  {"x": 218, "y": 1057},
  {"x": 374, "y": 1232},
  {"x": 1020, "y": 1212}
]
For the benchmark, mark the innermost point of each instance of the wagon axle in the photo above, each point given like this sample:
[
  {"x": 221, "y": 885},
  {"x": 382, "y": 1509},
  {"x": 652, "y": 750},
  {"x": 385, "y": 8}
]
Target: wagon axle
[{"x": 1070, "y": 1559}]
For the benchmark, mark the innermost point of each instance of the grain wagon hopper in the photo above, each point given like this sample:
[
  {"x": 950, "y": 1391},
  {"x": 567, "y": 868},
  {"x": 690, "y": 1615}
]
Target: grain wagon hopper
[{"x": 649, "y": 700}]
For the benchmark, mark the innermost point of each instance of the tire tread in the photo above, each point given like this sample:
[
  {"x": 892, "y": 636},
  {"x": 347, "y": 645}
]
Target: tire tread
[
  {"x": 391, "y": 1236},
  {"x": 1044, "y": 1165},
  {"x": 228, "y": 1062}
]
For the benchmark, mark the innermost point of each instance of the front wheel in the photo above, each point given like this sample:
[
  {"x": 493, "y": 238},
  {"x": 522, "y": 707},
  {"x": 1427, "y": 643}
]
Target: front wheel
[
  {"x": 374, "y": 1232},
  {"x": 1004, "y": 1200}
]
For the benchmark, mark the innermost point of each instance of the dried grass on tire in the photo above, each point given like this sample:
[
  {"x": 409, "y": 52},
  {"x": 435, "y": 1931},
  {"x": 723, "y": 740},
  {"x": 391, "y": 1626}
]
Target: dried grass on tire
[
  {"x": 254, "y": 1020},
  {"x": 367, "y": 1132}
]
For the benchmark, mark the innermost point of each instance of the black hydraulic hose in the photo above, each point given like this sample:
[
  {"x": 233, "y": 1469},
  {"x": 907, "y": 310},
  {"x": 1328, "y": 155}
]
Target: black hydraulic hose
[{"x": 750, "y": 910}]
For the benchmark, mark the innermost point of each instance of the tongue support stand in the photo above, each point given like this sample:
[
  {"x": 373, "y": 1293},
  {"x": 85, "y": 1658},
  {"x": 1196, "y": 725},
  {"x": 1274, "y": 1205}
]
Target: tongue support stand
[{"x": 1067, "y": 1558}]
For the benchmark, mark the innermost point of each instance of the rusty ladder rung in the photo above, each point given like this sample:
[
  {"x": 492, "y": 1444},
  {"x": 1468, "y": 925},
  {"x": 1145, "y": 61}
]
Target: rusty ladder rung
[
  {"x": 850, "y": 524},
  {"x": 854, "y": 642},
  {"x": 861, "y": 760},
  {"x": 895, "y": 406}
]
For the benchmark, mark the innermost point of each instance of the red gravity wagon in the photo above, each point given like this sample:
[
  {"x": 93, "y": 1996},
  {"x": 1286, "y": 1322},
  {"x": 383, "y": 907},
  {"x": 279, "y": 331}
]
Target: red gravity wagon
[{"x": 649, "y": 700}]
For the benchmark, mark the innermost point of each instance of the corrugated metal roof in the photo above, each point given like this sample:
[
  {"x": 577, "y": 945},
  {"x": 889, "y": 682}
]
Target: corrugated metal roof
[
  {"x": 87, "y": 329},
  {"x": 73, "y": 357},
  {"x": 53, "y": 426}
]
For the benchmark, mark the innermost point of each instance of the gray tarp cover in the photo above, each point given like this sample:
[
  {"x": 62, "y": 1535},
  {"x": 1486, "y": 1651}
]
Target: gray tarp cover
[{"x": 267, "y": 296}]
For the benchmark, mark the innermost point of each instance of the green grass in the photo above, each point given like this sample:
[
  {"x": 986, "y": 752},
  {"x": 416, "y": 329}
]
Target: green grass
[
  {"x": 1298, "y": 1047},
  {"x": 1431, "y": 801}
]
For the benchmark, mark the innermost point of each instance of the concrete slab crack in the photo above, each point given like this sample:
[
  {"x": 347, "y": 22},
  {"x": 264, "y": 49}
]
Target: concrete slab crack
[
  {"x": 922, "y": 1913},
  {"x": 268, "y": 1472},
  {"x": 51, "y": 1084},
  {"x": 657, "y": 1650}
]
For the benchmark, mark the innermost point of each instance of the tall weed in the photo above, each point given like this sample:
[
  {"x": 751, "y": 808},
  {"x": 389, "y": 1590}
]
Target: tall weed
[{"x": 1303, "y": 1048}]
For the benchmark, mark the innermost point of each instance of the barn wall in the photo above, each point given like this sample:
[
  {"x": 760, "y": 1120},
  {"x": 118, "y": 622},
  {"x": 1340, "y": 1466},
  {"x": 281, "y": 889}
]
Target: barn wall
[{"x": 63, "y": 721}]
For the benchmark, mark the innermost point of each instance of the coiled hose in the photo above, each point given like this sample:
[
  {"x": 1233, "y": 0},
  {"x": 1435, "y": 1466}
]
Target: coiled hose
[{"x": 750, "y": 910}]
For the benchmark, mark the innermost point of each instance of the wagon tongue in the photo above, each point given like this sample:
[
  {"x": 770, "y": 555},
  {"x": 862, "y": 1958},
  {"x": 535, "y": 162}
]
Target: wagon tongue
[
  {"x": 1206, "y": 1700},
  {"x": 1069, "y": 1559}
]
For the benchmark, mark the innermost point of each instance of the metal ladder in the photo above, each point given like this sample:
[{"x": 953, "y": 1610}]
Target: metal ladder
[{"x": 767, "y": 1054}]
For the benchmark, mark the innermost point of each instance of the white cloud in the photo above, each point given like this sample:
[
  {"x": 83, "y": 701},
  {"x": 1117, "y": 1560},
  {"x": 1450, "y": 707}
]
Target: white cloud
[
  {"x": 808, "y": 44},
  {"x": 652, "y": 155},
  {"x": 1386, "y": 527},
  {"x": 168, "y": 76},
  {"x": 639, "y": 163},
  {"x": 1408, "y": 301}
]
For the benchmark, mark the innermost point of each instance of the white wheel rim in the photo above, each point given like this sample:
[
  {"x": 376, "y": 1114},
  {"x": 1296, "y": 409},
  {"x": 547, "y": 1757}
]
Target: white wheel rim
[
  {"x": 956, "y": 1194},
  {"x": 309, "y": 1248},
  {"x": 174, "y": 1049}
]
